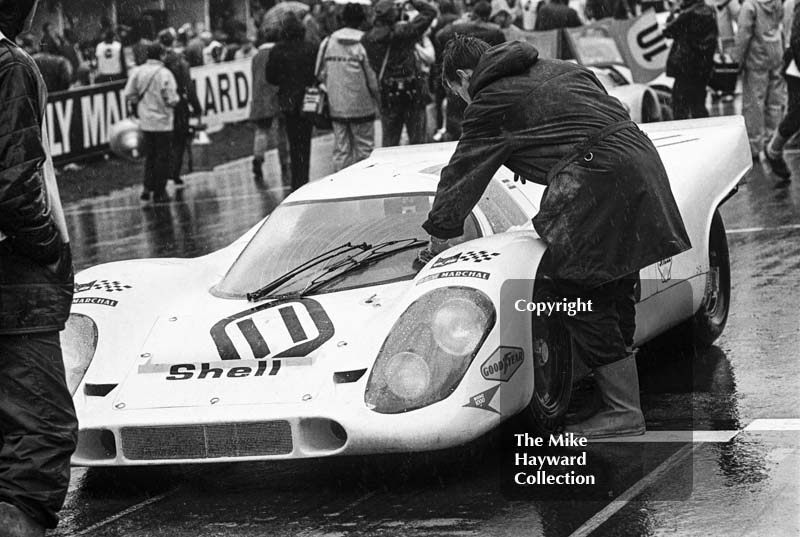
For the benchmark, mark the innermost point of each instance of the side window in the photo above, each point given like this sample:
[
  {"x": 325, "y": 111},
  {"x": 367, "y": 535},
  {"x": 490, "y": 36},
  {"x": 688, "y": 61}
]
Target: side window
[{"x": 500, "y": 209}]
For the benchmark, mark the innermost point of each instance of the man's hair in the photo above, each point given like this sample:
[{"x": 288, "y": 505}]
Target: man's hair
[
  {"x": 353, "y": 15},
  {"x": 482, "y": 10},
  {"x": 462, "y": 52},
  {"x": 166, "y": 37},
  {"x": 154, "y": 51}
]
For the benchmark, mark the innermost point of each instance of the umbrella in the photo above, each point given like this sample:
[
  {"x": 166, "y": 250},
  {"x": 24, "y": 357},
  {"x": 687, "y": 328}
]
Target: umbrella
[{"x": 274, "y": 17}]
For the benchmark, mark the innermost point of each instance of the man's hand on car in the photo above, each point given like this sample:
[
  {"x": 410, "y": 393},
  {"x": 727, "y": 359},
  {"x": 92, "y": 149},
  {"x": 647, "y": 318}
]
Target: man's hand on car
[{"x": 434, "y": 248}]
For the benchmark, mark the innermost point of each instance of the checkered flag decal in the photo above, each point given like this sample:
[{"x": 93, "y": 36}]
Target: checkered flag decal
[
  {"x": 477, "y": 257},
  {"x": 110, "y": 286}
]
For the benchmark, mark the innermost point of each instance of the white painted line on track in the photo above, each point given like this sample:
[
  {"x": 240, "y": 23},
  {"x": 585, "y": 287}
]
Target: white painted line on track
[
  {"x": 124, "y": 513},
  {"x": 783, "y": 424},
  {"x": 637, "y": 488},
  {"x": 674, "y": 436},
  {"x": 788, "y": 227}
]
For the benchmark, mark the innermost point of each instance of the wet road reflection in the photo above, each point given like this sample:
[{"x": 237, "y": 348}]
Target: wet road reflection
[{"x": 213, "y": 209}]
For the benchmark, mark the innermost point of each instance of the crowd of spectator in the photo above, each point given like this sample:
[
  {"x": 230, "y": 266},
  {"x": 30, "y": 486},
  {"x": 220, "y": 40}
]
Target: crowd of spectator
[{"x": 383, "y": 61}]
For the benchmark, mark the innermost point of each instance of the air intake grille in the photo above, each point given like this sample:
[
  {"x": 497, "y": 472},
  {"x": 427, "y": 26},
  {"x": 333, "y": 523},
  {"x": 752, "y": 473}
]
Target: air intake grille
[{"x": 207, "y": 441}]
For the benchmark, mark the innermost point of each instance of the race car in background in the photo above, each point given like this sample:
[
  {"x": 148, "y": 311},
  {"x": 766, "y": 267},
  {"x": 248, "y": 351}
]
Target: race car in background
[
  {"x": 646, "y": 103},
  {"x": 314, "y": 334}
]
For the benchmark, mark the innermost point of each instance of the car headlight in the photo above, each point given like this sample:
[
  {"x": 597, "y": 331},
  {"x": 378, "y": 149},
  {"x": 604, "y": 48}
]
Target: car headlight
[
  {"x": 78, "y": 343},
  {"x": 429, "y": 349}
]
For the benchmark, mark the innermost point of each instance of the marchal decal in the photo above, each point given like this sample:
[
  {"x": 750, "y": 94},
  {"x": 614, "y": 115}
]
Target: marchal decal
[
  {"x": 473, "y": 256},
  {"x": 502, "y": 364},
  {"x": 96, "y": 300},
  {"x": 455, "y": 274},
  {"x": 483, "y": 400}
]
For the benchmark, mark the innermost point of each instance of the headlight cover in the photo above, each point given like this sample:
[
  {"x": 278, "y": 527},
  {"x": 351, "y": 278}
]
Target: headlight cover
[
  {"x": 78, "y": 343},
  {"x": 429, "y": 349}
]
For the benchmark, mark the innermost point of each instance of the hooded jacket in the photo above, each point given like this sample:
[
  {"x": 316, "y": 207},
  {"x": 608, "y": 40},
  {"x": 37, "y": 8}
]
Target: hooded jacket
[
  {"x": 33, "y": 298},
  {"x": 396, "y": 41},
  {"x": 759, "y": 43},
  {"x": 694, "y": 32},
  {"x": 265, "y": 95},
  {"x": 349, "y": 79},
  {"x": 602, "y": 218}
]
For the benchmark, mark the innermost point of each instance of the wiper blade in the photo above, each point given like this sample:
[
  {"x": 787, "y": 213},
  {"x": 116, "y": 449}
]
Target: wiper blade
[
  {"x": 264, "y": 291},
  {"x": 352, "y": 262}
]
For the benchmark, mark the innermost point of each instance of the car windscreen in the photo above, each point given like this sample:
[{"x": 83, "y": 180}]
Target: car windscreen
[
  {"x": 594, "y": 46},
  {"x": 299, "y": 231}
]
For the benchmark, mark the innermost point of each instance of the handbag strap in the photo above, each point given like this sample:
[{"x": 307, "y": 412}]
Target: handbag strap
[
  {"x": 321, "y": 58},
  {"x": 385, "y": 61},
  {"x": 147, "y": 87}
]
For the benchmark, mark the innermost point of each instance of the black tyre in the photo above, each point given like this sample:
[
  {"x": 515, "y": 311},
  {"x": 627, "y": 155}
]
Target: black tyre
[
  {"x": 552, "y": 377},
  {"x": 709, "y": 321}
]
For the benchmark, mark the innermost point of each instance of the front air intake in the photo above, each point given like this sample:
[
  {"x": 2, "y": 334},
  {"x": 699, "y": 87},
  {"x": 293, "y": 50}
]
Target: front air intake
[{"x": 256, "y": 439}]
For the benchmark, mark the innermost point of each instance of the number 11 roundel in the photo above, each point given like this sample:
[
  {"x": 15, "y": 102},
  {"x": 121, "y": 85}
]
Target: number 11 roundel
[{"x": 290, "y": 328}]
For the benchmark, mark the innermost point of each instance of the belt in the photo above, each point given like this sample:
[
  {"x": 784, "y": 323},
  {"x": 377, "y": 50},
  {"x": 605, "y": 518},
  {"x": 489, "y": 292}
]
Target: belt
[{"x": 582, "y": 149}]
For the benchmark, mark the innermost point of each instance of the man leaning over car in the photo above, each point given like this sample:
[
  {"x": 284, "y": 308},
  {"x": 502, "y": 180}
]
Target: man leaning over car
[
  {"x": 607, "y": 211},
  {"x": 38, "y": 428}
]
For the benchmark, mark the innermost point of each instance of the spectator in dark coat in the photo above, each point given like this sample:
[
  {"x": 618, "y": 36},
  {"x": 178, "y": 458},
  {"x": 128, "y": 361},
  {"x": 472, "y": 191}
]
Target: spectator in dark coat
[
  {"x": 38, "y": 428},
  {"x": 606, "y": 213},
  {"x": 601, "y": 9},
  {"x": 479, "y": 27},
  {"x": 56, "y": 70},
  {"x": 556, "y": 14},
  {"x": 693, "y": 29},
  {"x": 390, "y": 47},
  {"x": 291, "y": 67},
  {"x": 187, "y": 107},
  {"x": 265, "y": 114}
]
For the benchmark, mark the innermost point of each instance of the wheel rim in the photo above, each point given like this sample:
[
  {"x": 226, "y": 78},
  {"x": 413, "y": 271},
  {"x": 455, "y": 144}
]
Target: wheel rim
[{"x": 550, "y": 350}]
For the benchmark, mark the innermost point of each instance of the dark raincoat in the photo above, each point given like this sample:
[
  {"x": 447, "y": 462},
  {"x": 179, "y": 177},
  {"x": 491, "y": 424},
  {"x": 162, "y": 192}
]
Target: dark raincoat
[{"x": 608, "y": 209}]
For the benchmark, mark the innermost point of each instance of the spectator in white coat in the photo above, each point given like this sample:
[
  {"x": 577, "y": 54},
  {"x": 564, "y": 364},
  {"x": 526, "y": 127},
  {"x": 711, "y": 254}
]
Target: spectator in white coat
[
  {"x": 759, "y": 51},
  {"x": 345, "y": 72}
]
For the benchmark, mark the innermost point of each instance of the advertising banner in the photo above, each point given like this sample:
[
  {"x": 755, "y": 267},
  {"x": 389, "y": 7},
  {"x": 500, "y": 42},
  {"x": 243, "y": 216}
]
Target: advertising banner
[{"x": 79, "y": 120}]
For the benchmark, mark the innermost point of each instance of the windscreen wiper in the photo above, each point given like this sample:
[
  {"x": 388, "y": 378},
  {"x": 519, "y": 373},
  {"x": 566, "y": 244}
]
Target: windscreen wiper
[
  {"x": 352, "y": 262},
  {"x": 264, "y": 291}
]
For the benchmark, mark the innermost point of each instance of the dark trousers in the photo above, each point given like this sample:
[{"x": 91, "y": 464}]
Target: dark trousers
[
  {"x": 603, "y": 335},
  {"x": 37, "y": 424},
  {"x": 298, "y": 130},
  {"x": 179, "y": 142},
  {"x": 157, "y": 159},
  {"x": 790, "y": 123},
  {"x": 393, "y": 119},
  {"x": 689, "y": 99}
]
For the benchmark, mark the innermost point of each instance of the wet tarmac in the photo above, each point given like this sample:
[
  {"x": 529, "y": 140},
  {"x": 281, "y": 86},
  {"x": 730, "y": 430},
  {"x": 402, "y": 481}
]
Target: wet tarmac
[{"x": 738, "y": 401}]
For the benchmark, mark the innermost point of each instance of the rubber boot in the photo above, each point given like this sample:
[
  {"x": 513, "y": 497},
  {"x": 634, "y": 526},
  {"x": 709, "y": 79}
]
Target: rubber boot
[
  {"x": 772, "y": 159},
  {"x": 15, "y": 523},
  {"x": 258, "y": 174},
  {"x": 621, "y": 415}
]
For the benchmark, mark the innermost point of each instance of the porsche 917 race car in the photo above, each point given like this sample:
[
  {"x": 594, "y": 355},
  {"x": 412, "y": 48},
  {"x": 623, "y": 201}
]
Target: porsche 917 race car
[{"x": 314, "y": 334}]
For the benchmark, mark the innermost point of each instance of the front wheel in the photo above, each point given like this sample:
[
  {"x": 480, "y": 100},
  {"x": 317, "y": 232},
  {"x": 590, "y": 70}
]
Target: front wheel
[
  {"x": 709, "y": 321},
  {"x": 552, "y": 372}
]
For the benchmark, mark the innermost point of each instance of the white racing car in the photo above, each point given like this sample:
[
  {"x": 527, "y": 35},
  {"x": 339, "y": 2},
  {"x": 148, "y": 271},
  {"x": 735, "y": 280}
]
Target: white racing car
[{"x": 313, "y": 335}]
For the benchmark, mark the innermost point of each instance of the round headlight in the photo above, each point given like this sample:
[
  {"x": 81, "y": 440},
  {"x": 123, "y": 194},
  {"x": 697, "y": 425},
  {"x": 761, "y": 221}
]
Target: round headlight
[
  {"x": 458, "y": 326},
  {"x": 408, "y": 375}
]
